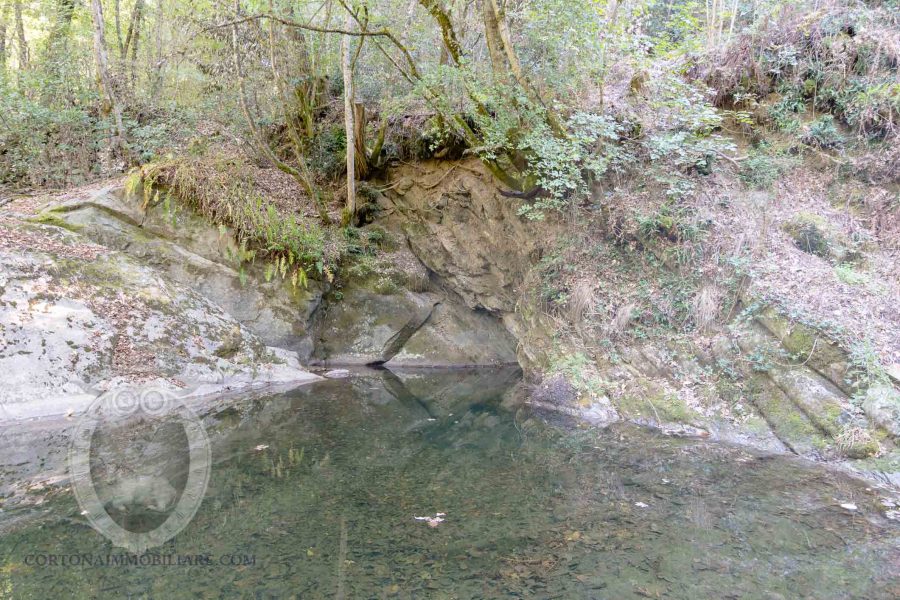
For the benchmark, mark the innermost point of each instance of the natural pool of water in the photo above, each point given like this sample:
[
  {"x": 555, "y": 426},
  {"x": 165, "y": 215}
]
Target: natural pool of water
[{"x": 316, "y": 490}]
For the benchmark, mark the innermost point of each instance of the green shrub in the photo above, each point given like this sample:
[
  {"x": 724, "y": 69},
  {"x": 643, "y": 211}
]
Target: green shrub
[
  {"x": 823, "y": 133},
  {"x": 874, "y": 107},
  {"x": 761, "y": 169},
  {"x": 43, "y": 145},
  {"x": 784, "y": 112}
]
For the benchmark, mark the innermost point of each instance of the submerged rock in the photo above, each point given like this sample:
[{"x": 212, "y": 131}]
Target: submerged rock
[
  {"x": 555, "y": 390},
  {"x": 557, "y": 393}
]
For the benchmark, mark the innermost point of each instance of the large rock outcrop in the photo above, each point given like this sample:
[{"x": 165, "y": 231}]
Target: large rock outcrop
[
  {"x": 191, "y": 251},
  {"x": 396, "y": 317},
  {"x": 465, "y": 231},
  {"x": 78, "y": 318},
  {"x": 391, "y": 317},
  {"x": 474, "y": 242},
  {"x": 771, "y": 382}
]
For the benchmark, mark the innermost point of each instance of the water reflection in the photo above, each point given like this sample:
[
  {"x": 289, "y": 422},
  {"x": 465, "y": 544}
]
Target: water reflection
[{"x": 322, "y": 487}]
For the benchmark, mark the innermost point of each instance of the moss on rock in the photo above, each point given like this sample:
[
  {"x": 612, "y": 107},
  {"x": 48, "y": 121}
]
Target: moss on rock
[
  {"x": 808, "y": 233},
  {"x": 810, "y": 346},
  {"x": 54, "y": 218},
  {"x": 644, "y": 399},
  {"x": 788, "y": 422}
]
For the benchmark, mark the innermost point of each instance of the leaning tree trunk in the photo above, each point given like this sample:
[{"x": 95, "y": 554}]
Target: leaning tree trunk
[
  {"x": 132, "y": 38},
  {"x": 516, "y": 67},
  {"x": 156, "y": 77},
  {"x": 346, "y": 69},
  {"x": 303, "y": 176},
  {"x": 117, "y": 18},
  {"x": 101, "y": 56},
  {"x": 499, "y": 66}
]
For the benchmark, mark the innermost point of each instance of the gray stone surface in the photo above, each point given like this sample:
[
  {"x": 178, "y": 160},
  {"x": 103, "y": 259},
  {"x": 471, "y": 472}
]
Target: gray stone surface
[
  {"x": 191, "y": 251},
  {"x": 882, "y": 407},
  {"x": 77, "y": 319},
  {"x": 374, "y": 322}
]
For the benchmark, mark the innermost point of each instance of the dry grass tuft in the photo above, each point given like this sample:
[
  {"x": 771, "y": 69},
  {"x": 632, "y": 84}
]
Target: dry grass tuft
[
  {"x": 581, "y": 303},
  {"x": 857, "y": 442},
  {"x": 706, "y": 306},
  {"x": 620, "y": 322}
]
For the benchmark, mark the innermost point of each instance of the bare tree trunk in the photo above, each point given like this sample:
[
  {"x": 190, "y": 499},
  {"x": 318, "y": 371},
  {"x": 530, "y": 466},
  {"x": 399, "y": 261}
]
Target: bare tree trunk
[
  {"x": 21, "y": 44},
  {"x": 506, "y": 45},
  {"x": 708, "y": 14},
  {"x": 158, "y": 61},
  {"x": 720, "y": 25},
  {"x": 134, "y": 23},
  {"x": 133, "y": 37},
  {"x": 451, "y": 41},
  {"x": 101, "y": 55},
  {"x": 613, "y": 11},
  {"x": 516, "y": 68},
  {"x": 734, "y": 10},
  {"x": 494, "y": 45},
  {"x": 410, "y": 19},
  {"x": 714, "y": 23},
  {"x": 58, "y": 38},
  {"x": 349, "y": 130},
  {"x": 134, "y": 54},
  {"x": 117, "y": 17}
]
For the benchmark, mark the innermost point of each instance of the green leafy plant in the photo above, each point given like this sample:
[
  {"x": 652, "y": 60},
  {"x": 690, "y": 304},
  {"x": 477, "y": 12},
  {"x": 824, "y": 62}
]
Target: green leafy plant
[
  {"x": 762, "y": 168},
  {"x": 784, "y": 112},
  {"x": 866, "y": 368},
  {"x": 847, "y": 274},
  {"x": 823, "y": 133}
]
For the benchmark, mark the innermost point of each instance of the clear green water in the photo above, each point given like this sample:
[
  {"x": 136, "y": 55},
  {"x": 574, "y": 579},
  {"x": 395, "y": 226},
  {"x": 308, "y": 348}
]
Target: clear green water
[{"x": 532, "y": 510}]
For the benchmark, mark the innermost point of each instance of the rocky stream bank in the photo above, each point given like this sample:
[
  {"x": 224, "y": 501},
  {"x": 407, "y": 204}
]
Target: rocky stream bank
[{"x": 99, "y": 290}]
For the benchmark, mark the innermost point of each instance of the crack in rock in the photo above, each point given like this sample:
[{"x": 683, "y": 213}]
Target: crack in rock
[{"x": 396, "y": 342}]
